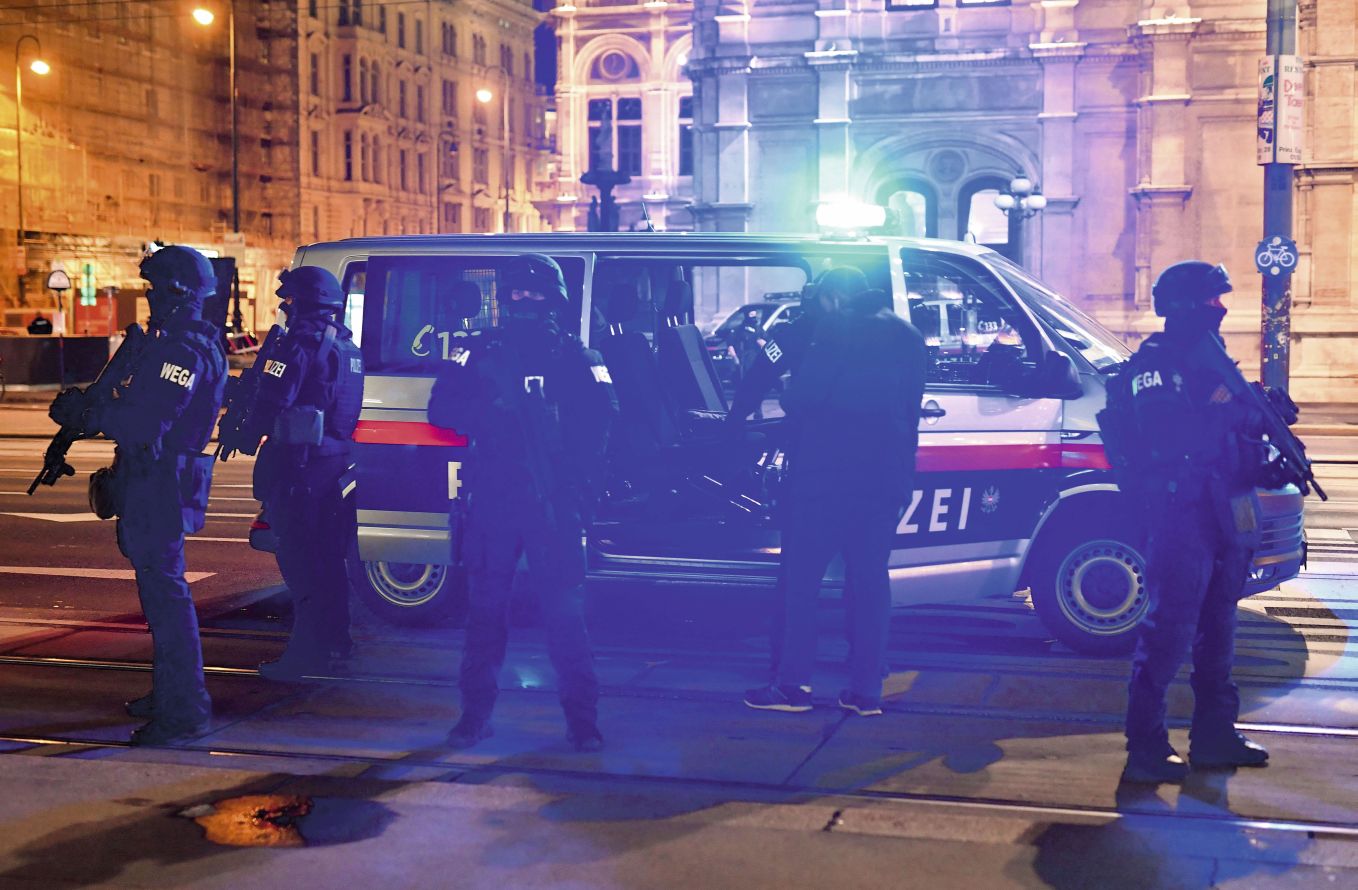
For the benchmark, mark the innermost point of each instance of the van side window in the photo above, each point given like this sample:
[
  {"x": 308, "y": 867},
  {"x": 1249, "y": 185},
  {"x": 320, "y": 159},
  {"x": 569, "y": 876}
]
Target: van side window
[
  {"x": 974, "y": 333},
  {"x": 419, "y": 309}
]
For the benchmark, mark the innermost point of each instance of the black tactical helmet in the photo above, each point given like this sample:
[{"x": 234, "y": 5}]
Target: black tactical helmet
[
  {"x": 1189, "y": 285},
  {"x": 311, "y": 288},
  {"x": 179, "y": 271},
  {"x": 537, "y": 272}
]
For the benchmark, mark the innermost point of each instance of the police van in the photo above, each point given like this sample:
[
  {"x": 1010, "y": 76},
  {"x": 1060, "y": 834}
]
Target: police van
[{"x": 1013, "y": 489}]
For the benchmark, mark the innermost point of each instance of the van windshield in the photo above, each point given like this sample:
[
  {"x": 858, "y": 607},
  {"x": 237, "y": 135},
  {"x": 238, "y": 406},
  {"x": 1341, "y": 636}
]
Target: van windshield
[{"x": 1100, "y": 346}]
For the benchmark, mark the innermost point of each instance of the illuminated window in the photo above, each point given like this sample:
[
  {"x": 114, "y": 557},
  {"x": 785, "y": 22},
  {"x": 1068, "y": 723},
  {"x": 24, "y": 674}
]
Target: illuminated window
[
  {"x": 893, "y": 5},
  {"x": 685, "y": 136}
]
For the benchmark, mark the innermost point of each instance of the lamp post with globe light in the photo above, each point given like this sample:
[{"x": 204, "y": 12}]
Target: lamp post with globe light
[
  {"x": 485, "y": 95},
  {"x": 205, "y": 17},
  {"x": 40, "y": 67},
  {"x": 1022, "y": 200}
]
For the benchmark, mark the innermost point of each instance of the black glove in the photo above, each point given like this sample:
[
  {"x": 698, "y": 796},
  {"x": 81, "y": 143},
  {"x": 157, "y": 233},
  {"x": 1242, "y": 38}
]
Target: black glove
[
  {"x": 68, "y": 408},
  {"x": 1283, "y": 404},
  {"x": 1274, "y": 474}
]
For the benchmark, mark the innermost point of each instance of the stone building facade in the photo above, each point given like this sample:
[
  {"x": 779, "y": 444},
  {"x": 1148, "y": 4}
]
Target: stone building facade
[
  {"x": 1136, "y": 118},
  {"x": 625, "y": 57},
  {"x": 393, "y": 138},
  {"x": 127, "y": 141}
]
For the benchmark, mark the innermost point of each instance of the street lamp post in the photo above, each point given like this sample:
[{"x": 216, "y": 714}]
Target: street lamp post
[
  {"x": 37, "y": 66},
  {"x": 484, "y": 96},
  {"x": 205, "y": 17},
  {"x": 1023, "y": 200}
]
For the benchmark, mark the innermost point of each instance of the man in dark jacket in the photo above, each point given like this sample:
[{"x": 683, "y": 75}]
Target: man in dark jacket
[
  {"x": 537, "y": 406},
  {"x": 162, "y": 419},
  {"x": 854, "y": 407}
]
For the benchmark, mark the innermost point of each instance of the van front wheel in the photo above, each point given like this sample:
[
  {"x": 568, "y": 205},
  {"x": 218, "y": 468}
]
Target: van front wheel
[{"x": 1089, "y": 589}]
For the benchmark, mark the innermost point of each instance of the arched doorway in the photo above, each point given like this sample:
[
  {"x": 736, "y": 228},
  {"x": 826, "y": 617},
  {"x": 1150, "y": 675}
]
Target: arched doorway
[
  {"x": 987, "y": 224},
  {"x": 913, "y": 204}
]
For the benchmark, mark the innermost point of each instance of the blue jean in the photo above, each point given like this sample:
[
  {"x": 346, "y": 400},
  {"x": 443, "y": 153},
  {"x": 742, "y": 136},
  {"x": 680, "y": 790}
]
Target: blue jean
[{"x": 818, "y": 526}]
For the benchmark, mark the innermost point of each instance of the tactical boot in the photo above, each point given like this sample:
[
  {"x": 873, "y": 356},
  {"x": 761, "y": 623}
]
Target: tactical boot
[
  {"x": 1154, "y": 767},
  {"x": 469, "y": 731},
  {"x": 143, "y": 708},
  {"x": 1222, "y": 751},
  {"x": 585, "y": 737},
  {"x": 168, "y": 733}
]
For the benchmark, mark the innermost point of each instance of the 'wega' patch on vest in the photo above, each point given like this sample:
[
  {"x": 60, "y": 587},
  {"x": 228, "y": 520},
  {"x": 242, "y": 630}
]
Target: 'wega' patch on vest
[
  {"x": 175, "y": 374},
  {"x": 1146, "y": 380},
  {"x": 275, "y": 368}
]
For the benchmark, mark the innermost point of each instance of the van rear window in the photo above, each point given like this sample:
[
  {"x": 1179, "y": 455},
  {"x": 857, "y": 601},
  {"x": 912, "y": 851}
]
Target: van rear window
[{"x": 416, "y": 308}]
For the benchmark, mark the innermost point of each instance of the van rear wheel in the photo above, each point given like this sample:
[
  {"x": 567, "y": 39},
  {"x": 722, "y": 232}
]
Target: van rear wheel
[
  {"x": 1089, "y": 587},
  {"x": 410, "y": 594}
]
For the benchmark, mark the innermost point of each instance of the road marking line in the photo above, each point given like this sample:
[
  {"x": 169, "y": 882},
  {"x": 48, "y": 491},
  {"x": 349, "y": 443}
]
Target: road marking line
[
  {"x": 218, "y": 497},
  {"x": 220, "y": 540},
  {"x": 57, "y": 517},
  {"x": 108, "y": 574},
  {"x": 236, "y": 515}
]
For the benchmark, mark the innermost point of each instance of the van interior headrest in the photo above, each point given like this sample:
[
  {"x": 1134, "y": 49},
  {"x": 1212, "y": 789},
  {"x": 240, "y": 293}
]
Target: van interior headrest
[
  {"x": 466, "y": 299},
  {"x": 679, "y": 298},
  {"x": 619, "y": 293}
]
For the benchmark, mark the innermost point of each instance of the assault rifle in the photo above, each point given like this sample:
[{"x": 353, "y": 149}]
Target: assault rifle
[
  {"x": 54, "y": 464},
  {"x": 1293, "y": 464},
  {"x": 234, "y": 433}
]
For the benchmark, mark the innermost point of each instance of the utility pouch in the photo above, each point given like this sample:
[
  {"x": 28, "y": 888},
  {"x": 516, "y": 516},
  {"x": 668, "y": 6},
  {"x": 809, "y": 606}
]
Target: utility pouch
[
  {"x": 300, "y": 426},
  {"x": 1238, "y": 516},
  {"x": 107, "y": 492},
  {"x": 194, "y": 472}
]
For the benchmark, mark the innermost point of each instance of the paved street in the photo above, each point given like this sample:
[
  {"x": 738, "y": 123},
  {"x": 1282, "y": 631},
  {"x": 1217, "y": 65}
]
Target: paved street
[{"x": 996, "y": 764}]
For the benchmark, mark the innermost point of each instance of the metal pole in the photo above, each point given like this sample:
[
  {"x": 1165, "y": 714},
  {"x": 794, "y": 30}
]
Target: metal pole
[
  {"x": 1276, "y": 333},
  {"x": 235, "y": 134},
  {"x": 19, "y": 157},
  {"x": 504, "y": 125}
]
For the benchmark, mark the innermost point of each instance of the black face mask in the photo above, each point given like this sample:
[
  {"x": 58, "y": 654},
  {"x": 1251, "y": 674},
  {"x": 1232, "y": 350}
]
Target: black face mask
[{"x": 1196, "y": 321}]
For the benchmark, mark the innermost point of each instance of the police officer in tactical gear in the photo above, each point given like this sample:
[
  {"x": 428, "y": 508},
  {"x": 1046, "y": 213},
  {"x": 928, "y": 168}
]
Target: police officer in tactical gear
[
  {"x": 537, "y": 406},
  {"x": 854, "y": 409},
  {"x": 161, "y": 419},
  {"x": 309, "y": 398},
  {"x": 1194, "y": 468}
]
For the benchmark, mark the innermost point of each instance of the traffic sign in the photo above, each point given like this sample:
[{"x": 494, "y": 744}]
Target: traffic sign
[{"x": 1275, "y": 255}]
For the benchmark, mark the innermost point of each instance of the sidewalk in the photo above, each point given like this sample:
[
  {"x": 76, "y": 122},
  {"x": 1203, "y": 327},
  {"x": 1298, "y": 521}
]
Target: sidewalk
[{"x": 693, "y": 789}]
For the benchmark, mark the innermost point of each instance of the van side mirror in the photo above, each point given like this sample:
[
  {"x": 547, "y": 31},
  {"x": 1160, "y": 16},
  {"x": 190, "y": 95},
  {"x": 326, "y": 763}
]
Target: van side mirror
[{"x": 1056, "y": 377}]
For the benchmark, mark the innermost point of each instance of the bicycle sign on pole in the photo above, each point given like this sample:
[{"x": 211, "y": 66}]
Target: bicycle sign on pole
[{"x": 1275, "y": 255}]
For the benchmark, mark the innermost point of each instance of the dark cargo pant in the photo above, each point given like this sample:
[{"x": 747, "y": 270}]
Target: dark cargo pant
[
  {"x": 156, "y": 551},
  {"x": 497, "y": 532},
  {"x": 1195, "y": 575},
  {"x": 314, "y": 524}
]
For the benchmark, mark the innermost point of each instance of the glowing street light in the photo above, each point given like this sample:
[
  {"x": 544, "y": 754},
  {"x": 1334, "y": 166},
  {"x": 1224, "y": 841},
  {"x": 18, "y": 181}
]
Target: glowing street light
[
  {"x": 37, "y": 66},
  {"x": 1022, "y": 200},
  {"x": 485, "y": 95},
  {"x": 205, "y": 17}
]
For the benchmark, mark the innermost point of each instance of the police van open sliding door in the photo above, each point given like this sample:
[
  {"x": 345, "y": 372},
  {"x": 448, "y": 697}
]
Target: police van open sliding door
[
  {"x": 417, "y": 311},
  {"x": 989, "y": 447}
]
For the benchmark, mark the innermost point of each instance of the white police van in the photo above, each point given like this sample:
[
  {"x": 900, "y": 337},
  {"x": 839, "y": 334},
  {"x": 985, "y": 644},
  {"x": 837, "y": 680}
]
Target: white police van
[{"x": 1013, "y": 488}]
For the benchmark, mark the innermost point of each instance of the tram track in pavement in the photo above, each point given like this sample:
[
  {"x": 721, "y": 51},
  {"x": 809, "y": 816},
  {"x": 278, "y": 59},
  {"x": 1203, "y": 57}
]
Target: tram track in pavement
[
  {"x": 452, "y": 770},
  {"x": 696, "y": 695}
]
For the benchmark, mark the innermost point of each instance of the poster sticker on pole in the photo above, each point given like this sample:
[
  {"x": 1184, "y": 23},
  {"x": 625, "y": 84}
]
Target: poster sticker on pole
[{"x": 1281, "y": 114}]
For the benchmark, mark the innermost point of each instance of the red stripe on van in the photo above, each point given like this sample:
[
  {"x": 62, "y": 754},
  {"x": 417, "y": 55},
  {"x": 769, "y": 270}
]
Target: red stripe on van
[
  {"x": 401, "y": 432},
  {"x": 964, "y": 458}
]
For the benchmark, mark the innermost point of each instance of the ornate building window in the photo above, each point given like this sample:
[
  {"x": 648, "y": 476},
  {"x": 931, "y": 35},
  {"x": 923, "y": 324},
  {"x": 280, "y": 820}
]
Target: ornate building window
[
  {"x": 348, "y": 155},
  {"x": 401, "y": 105},
  {"x": 419, "y": 36},
  {"x": 481, "y": 166},
  {"x": 363, "y": 81},
  {"x": 373, "y": 86},
  {"x": 626, "y": 120},
  {"x": 403, "y": 170},
  {"x": 364, "y": 166},
  {"x": 347, "y": 77},
  {"x": 449, "y": 98},
  {"x": 315, "y": 74},
  {"x": 400, "y": 30},
  {"x": 507, "y": 60},
  {"x": 478, "y": 49},
  {"x": 379, "y": 175},
  {"x": 481, "y": 219},
  {"x": 685, "y": 136},
  {"x": 452, "y": 217}
]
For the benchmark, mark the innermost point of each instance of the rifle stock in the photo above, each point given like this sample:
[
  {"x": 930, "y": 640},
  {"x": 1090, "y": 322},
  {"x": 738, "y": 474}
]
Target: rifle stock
[{"x": 54, "y": 464}]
